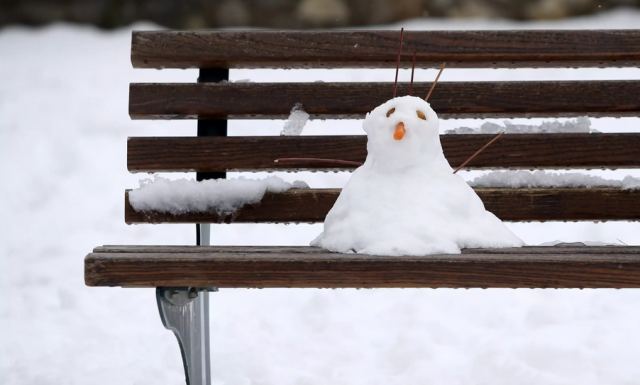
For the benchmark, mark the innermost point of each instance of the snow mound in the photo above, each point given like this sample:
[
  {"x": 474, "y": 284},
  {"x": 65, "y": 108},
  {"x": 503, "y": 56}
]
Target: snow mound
[
  {"x": 405, "y": 198},
  {"x": 541, "y": 178},
  {"x": 187, "y": 195},
  {"x": 297, "y": 119},
  {"x": 578, "y": 125}
]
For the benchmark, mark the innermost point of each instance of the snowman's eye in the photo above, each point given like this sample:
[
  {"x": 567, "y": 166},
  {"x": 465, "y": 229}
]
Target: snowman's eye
[
  {"x": 391, "y": 111},
  {"x": 421, "y": 115}
]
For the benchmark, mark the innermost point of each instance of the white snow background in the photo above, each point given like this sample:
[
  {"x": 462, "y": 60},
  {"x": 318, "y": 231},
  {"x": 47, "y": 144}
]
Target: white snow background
[{"x": 63, "y": 129}]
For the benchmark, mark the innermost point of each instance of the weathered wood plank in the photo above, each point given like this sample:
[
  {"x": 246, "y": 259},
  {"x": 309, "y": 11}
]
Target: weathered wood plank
[
  {"x": 562, "y": 248},
  {"x": 612, "y": 267},
  {"x": 354, "y": 100},
  {"x": 154, "y": 154},
  {"x": 327, "y": 49},
  {"x": 526, "y": 204}
]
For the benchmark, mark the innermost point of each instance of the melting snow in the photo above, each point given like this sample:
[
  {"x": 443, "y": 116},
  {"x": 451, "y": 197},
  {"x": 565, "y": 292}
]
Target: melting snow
[
  {"x": 578, "y": 125},
  {"x": 297, "y": 119},
  {"x": 540, "y": 178}
]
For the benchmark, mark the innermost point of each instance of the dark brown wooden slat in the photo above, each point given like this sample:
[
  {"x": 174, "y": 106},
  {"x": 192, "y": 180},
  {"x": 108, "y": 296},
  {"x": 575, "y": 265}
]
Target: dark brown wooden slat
[
  {"x": 317, "y": 269},
  {"x": 154, "y": 154},
  {"x": 334, "y": 49},
  {"x": 563, "y": 248},
  {"x": 354, "y": 100},
  {"x": 526, "y": 204}
]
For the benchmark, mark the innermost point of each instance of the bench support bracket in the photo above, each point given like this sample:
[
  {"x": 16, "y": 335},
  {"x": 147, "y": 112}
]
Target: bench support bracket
[{"x": 185, "y": 311}]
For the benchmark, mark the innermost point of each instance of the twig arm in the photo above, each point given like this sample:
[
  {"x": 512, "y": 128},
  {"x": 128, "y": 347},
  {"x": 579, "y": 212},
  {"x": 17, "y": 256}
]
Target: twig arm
[
  {"x": 469, "y": 159},
  {"x": 308, "y": 161}
]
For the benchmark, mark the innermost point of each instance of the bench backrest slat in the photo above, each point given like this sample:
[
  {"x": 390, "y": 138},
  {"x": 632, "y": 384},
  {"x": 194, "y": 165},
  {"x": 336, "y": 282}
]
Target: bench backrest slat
[
  {"x": 215, "y": 102},
  {"x": 249, "y": 153},
  {"x": 523, "y": 204},
  {"x": 299, "y": 49},
  {"x": 354, "y": 100}
]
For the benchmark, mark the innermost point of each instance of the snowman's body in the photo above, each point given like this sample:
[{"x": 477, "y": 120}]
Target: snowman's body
[{"x": 405, "y": 199}]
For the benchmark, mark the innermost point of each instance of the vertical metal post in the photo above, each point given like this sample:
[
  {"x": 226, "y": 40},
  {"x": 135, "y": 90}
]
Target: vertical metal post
[
  {"x": 185, "y": 311},
  {"x": 211, "y": 127}
]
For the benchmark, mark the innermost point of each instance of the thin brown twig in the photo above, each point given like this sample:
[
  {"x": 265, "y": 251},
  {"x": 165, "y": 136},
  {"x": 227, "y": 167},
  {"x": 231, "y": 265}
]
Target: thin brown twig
[
  {"x": 413, "y": 67},
  {"x": 340, "y": 162},
  {"x": 307, "y": 161},
  {"x": 395, "y": 84},
  {"x": 469, "y": 159},
  {"x": 433, "y": 86}
]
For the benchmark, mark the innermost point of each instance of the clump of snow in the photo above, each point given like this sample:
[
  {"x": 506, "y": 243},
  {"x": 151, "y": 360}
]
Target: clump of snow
[
  {"x": 541, "y": 178},
  {"x": 630, "y": 183},
  {"x": 578, "y": 244},
  {"x": 577, "y": 125},
  {"x": 405, "y": 198},
  {"x": 297, "y": 119},
  {"x": 188, "y": 195}
]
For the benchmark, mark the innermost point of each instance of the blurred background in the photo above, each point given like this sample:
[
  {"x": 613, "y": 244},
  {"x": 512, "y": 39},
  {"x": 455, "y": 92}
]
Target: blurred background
[{"x": 188, "y": 14}]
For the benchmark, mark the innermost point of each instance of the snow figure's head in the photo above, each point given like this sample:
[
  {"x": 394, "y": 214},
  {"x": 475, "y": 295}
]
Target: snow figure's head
[{"x": 401, "y": 133}]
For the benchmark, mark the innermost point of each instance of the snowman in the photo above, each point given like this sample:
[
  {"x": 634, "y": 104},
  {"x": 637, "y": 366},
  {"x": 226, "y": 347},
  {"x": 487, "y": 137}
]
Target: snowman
[{"x": 405, "y": 198}]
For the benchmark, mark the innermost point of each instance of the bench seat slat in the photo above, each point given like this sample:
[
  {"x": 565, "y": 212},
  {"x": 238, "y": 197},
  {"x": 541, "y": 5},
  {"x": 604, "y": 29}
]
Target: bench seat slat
[
  {"x": 211, "y": 154},
  {"x": 611, "y": 267},
  {"x": 335, "y": 49},
  {"x": 525, "y": 204},
  {"x": 354, "y": 100},
  {"x": 562, "y": 248}
]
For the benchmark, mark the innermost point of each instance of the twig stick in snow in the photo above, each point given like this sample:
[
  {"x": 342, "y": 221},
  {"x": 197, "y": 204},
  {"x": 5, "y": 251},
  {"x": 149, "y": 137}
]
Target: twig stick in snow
[
  {"x": 307, "y": 161},
  {"x": 433, "y": 86},
  {"x": 395, "y": 84},
  {"x": 341, "y": 162},
  {"x": 413, "y": 67},
  {"x": 469, "y": 159}
]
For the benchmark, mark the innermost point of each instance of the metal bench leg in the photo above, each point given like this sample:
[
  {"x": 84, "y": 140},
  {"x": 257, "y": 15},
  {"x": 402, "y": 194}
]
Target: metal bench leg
[{"x": 185, "y": 311}]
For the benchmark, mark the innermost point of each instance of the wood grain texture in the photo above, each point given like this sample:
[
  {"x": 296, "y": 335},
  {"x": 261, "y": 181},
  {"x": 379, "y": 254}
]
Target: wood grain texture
[
  {"x": 155, "y": 154},
  {"x": 525, "y": 204},
  {"x": 354, "y": 100},
  {"x": 260, "y": 267},
  {"x": 560, "y": 248},
  {"x": 334, "y": 49}
]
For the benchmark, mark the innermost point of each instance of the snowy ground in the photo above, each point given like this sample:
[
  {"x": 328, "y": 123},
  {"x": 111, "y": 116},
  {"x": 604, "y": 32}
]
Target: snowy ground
[{"x": 63, "y": 129}]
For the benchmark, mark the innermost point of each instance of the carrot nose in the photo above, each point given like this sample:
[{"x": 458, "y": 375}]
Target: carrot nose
[{"x": 398, "y": 134}]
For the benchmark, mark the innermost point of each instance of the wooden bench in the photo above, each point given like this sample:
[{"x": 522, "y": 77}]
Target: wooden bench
[{"x": 182, "y": 274}]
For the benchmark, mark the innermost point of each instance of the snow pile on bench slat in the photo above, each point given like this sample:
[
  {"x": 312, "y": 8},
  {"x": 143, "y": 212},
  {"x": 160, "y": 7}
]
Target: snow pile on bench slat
[
  {"x": 188, "y": 195},
  {"x": 296, "y": 121},
  {"x": 578, "y": 125},
  {"x": 540, "y": 178}
]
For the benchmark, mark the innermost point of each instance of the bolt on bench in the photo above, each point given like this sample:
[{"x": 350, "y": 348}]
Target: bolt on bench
[{"x": 182, "y": 275}]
